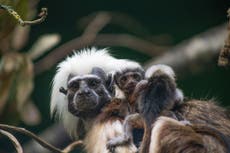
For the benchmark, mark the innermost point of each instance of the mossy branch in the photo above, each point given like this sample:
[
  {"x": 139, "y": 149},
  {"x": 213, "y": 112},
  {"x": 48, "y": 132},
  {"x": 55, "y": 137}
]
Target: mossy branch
[{"x": 42, "y": 15}]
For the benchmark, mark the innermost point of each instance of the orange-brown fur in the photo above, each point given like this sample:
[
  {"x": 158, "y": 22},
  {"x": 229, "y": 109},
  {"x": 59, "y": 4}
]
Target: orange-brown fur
[
  {"x": 204, "y": 112},
  {"x": 172, "y": 136},
  {"x": 116, "y": 109}
]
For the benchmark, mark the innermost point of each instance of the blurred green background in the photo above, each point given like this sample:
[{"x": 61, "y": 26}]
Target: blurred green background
[
  {"x": 176, "y": 20},
  {"x": 179, "y": 19}
]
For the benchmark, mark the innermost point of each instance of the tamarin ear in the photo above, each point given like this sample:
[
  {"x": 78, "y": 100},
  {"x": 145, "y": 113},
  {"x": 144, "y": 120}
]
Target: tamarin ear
[
  {"x": 100, "y": 73},
  {"x": 116, "y": 77},
  {"x": 63, "y": 90}
]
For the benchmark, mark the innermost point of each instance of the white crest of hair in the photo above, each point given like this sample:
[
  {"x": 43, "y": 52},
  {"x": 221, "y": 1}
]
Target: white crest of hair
[
  {"x": 79, "y": 63},
  {"x": 99, "y": 134},
  {"x": 127, "y": 64},
  {"x": 160, "y": 67}
]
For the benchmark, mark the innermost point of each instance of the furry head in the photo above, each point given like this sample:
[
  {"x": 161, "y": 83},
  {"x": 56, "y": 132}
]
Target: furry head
[
  {"x": 80, "y": 63},
  {"x": 124, "y": 66}
]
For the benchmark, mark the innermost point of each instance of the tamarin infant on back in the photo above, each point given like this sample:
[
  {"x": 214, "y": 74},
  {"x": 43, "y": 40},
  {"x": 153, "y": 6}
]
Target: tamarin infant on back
[{"x": 157, "y": 96}]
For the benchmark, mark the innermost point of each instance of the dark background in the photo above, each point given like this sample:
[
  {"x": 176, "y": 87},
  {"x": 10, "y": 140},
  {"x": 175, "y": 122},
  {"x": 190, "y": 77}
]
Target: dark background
[{"x": 179, "y": 19}]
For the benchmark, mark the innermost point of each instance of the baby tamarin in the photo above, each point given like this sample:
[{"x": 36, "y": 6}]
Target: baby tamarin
[
  {"x": 125, "y": 80},
  {"x": 158, "y": 96}
]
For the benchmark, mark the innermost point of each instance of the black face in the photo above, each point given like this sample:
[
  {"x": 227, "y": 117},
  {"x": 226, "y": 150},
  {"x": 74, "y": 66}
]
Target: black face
[
  {"x": 127, "y": 80},
  {"x": 86, "y": 94}
]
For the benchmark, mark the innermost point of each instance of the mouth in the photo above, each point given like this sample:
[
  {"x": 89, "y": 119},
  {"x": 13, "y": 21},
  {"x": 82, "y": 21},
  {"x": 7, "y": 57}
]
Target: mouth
[
  {"x": 85, "y": 103},
  {"x": 84, "y": 97},
  {"x": 130, "y": 88}
]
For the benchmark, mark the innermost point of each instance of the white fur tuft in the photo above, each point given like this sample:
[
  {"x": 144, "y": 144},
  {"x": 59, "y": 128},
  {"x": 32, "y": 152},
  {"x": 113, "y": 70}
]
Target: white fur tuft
[
  {"x": 179, "y": 95},
  {"x": 80, "y": 63},
  {"x": 97, "y": 137},
  {"x": 164, "y": 68},
  {"x": 119, "y": 93},
  {"x": 128, "y": 64}
]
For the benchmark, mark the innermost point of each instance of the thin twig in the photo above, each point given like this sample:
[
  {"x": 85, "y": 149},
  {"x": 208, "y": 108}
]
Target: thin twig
[
  {"x": 15, "y": 142},
  {"x": 43, "y": 14},
  {"x": 32, "y": 135},
  {"x": 72, "y": 146}
]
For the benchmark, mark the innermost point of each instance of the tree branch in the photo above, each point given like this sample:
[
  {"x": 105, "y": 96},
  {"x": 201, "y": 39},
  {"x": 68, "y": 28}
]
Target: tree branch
[
  {"x": 72, "y": 146},
  {"x": 15, "y": 142},
  {"x": 91, "y": 37},
  {"x": 129, "y": 41},
  {"x": 32, "y": 135},
  {"x": 55, "y": 135},
  {"x": 193, "y": 51},
  {"x": 43, "y": 14},
  {"x": 119, "y": 19}
]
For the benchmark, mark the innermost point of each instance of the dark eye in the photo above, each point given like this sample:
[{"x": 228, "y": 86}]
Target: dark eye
[
  {"x": 137, "y": 77},
  {"x": 123, "y": 79},
  {"x": 73, "y": 86},
  {"x": 93, "y": 83}
]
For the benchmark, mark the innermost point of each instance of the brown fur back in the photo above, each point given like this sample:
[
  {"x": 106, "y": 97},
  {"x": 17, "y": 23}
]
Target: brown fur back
[{"x": 205, "y": 112}]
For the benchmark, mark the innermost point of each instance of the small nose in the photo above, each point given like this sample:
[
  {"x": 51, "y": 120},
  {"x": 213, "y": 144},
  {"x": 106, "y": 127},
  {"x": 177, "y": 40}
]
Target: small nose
[{"x": 84, "y": 92}]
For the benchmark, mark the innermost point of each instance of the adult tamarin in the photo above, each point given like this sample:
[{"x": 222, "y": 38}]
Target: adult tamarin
[
  {"x": 158, "y": 96},
  {"x": 80, "y": 95}
]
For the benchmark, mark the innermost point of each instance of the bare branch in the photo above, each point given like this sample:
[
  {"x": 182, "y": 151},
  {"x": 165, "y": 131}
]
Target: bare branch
[
  {"x": 195, "y": 50},
  {"x": 123, "y": 40},
  {"x": 72, "y": 146},
  {"x": 55, "y": 135},
  {"x": 91, "y": 37},
  {"x": 43, "y": 44},
  {"x": 32, "y": 135},
  {"x": 132, "y": 42},
  {"x": 119, "y": 19},
  {"x": 96, "y": 25},
  {"x": 87, "y": 37},
  {"x": 15, "y": 142},
  {"x": 43, "y": 14}
]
